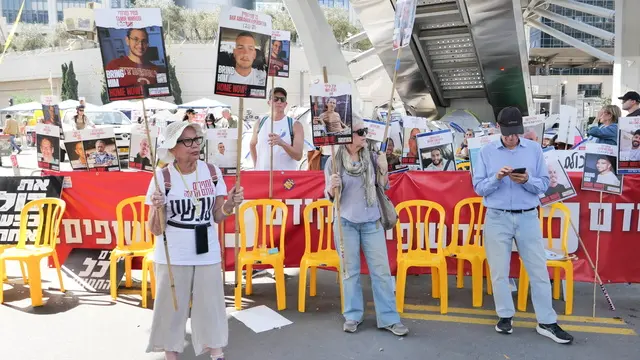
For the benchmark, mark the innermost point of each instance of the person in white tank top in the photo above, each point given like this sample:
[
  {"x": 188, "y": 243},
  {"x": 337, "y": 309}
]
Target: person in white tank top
[{"x": 286, "y": 152}]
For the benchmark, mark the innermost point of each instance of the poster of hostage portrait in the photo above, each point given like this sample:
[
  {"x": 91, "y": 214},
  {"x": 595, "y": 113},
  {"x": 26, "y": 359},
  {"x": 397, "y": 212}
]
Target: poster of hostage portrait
[
  {"x": 280, "y": 53},
  {"x": 331, "y": 112},
  {"x": 412, "y": 126},
  {"x": 222, "y": 149},
  {"x": 100, "y": 149},
  {"x": 394, "y": 146},
  {"x": 534, "y": 128},
  {"x": 629, "y": 145},
  {"x": 560, "y": 186},
  {"x": 133, "y": 53},
  {"x": 48, "y": 146},
  {"x": 436, "y": 151},
  {"x": 140, "y": 148},
  {"x": 403, "y": 24},
  {"x": 243, "y": 53},
  {"x": 600, "y": 169},
  {"x": 51, "y": 115},
  {"x": 75, "y": 149}
]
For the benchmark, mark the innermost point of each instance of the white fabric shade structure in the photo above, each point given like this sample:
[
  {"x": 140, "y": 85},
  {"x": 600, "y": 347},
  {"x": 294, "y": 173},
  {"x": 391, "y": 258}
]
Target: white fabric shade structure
[
  {"x": 72, "y": 104},
  {"x": 153, "y": 104},
  {"x": 119, "y": 105},
  {"x": 203, "y": 103},
  {"x": 30, "y": 106}
]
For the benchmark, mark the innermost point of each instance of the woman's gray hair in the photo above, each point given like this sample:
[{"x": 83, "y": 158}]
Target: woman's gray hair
[{"x": 356, "y": 120}]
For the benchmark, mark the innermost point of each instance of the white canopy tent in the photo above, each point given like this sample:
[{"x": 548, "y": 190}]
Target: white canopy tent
[
  {"x": 204, "y": 103},
  {"x": 72, "y": 104},
  {"x": 30, "y": 106},
  {"x": 119, "y": 105},
  {"x": 153, "y": 104}
]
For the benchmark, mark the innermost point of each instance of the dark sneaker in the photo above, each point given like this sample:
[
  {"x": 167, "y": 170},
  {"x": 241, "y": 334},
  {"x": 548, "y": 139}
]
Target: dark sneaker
[
  {"x": 505, "y": 325},
  {"x": 351, "y": 326},
  {"x": 555, "y": 333},
  {"x": 398, "y": 329}
]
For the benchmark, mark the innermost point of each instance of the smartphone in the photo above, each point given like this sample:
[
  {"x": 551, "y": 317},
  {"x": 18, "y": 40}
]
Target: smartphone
[{"x": 519, "y": 171}]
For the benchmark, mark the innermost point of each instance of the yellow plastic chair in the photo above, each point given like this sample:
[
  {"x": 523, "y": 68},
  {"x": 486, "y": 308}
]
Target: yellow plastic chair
[
  {"x": 50, "y": 211},
  {"x": 566, "y": 264},
  {"x": 325, "y": 254},
  {"x": 266, "y": 250},
  {"x": 25, "y": 280},
  {"x": 471, "y": 249},
  {"x": 465, "y": 165},
  {"x": 141, "y": 245},
  {"x": 415, "y": 255}
]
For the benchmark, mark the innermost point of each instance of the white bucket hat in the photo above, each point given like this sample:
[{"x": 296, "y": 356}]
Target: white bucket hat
[{"x": 171, "y": 135}]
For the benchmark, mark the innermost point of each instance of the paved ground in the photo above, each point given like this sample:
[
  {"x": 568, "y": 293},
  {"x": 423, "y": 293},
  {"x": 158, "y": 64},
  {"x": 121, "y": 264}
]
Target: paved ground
[{"x": 80, "y": 325}]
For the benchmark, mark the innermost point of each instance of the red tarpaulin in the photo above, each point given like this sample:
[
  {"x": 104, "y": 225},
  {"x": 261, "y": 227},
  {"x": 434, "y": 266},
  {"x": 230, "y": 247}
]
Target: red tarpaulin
[{"x": 90, "y": 218}]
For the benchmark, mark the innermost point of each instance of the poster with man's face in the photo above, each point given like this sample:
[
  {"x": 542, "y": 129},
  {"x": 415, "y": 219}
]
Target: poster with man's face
[
  {"x": 133, "y": 53},
  {"x": 222, "y": 149},
  {"x": 412, "y": 126},
  {"x": 331, "y": 114},
  {"x": 280, "y": 53},
  {"x": 534, "y": 128},
  {"x": 48, "y": 146},
  {"x": 51, "y": 115},
  {"x": 600, "y": 174},
  {"x": 75, "y": 149},
  {"x": 403, "y": 23},
  {"x": 629, "y": 145},
  {"x": 100, "y": 149},
  {"x": 560, "y": 186},
  {"x": 243, "y": 53},
  {"x": 140, "y": 148},
  {"x": 436, "y": 151}
]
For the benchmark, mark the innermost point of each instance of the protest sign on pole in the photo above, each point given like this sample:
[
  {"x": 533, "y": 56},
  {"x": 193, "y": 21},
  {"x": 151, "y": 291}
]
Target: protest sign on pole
[
  {"x": 412, "y": 126},
  {"x": 435, "y": 151},
  {"x": 133, "y": 53},
  {"x": 140, "y": 148},
  {"x": 243, "y": 53},
  {"x": 280, "y": 53},
  {"x": 600, "y": 169},
  {"x": 629, "y": 145},
  {"x": 331, "y": 114}
]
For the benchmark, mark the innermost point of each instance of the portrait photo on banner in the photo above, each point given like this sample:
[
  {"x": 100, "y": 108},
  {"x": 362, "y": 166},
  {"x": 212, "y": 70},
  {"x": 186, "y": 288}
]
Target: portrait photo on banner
[
  {"x": 222, "y": 149},
  {"x": 534, "y": 128},
  {"x": 629, "y": 145},
  {"x": 140, "y": 148},
  {"x": 75, "y": 150},
  {"x": 100, "y": 149},
  {"x": 48, "y": 146},
  {"x": 51, "y": 115},
  {"x": 436, "y": 151},
  {"x": 280, "y": 53},
  {"x": 244, "y": 41},
  {"x": 403, "y": 23},
  {"x": 331, "y": 113},
  {"x": 412, "y": 126},
  {"x": 600, "y": 173},
  {"x": 133, "y": 53},
  {"x": 560, "y": 186}
]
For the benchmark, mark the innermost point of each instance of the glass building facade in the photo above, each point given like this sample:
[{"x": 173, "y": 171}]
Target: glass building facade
[{"x": 37, "y": 11}]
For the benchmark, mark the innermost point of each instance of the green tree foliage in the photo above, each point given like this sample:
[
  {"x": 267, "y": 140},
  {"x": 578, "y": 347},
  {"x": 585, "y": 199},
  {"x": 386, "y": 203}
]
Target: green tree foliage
[
  {"x": 103, "y": 93},
  {"x": 180, "y": 24},
  {"x": 174, "y": 83},
  {"x": 63, "y": 92},
  {"x": 30, "y": 37},
  {"x": 69, "y": 83},
  {"x": 21, "y": 99},
  {"x": 338, "y": 20}
]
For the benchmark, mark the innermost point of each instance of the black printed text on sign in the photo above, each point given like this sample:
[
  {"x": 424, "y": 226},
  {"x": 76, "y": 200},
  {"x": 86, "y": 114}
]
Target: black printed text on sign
[
  {"x": 139, "y": 68},
  {"x": 91, "y": 269}
]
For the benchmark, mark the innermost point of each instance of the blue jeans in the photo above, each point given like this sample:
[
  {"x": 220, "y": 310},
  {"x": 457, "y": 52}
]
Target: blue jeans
[
  {"x": 369, "y": 236},
  {"x": 323, "y": 161},
  {"x": 500, "y": 229},
  {"x": 12, "y": 140}
]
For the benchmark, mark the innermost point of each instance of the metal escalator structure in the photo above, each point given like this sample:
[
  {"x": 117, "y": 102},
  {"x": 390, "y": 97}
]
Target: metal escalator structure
[{"x": 464, "y": 54}]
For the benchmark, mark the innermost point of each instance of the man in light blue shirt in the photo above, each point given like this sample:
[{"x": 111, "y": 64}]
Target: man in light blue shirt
[{"x": 509, "y": 174}]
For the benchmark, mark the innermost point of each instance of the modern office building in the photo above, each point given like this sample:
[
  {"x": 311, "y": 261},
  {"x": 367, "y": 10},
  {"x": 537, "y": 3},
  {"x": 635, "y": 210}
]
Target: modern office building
[{"x": 39, "y": 11}]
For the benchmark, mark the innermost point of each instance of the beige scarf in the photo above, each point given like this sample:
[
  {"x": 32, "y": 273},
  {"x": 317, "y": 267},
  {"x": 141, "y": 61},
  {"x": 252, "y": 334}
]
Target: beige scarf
[{"x": 363, "y": 169}]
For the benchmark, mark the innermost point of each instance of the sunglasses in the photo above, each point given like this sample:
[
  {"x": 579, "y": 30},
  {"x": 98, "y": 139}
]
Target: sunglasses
[
  {"x": 189, "y": 142},
  {"x": 361, "y": 132},
  {"x": 282, "y": 99}
]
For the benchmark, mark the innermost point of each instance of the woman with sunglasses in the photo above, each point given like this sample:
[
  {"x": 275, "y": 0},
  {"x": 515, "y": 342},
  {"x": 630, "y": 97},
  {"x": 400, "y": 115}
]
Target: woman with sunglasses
[
  {"x": 357, "y": 171},
  {"x": 184, "y": 213}
]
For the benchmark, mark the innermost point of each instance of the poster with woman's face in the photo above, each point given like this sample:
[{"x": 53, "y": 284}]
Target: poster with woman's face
[
  {"x": 75, "y": 150},
  {"x": 51, "y": 115},
  {"x": 331, "y": 114},
  {"x": 600, "y": 169},
  {"x": 48, "y": 146},
  {"x": 560, "y": 186}
]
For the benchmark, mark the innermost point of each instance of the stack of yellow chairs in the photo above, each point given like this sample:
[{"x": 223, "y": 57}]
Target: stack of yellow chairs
[
  {"x": 266, "y": 250},
  {"x": 325, "y": 255},
  {"x": 472, "y": 247},
  {"x": 50, "y": 211},
  {"x": 419, "y": 253},
  {"x": 141, "y": 245},
  {"x": 565, "y": 263}
]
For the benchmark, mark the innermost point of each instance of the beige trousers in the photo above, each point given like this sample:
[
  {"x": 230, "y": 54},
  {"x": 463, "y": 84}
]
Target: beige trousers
[{"x": 208, "y": 313}]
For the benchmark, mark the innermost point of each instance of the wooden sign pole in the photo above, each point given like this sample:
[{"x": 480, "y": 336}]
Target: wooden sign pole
[{"x": 238, "y": 288}]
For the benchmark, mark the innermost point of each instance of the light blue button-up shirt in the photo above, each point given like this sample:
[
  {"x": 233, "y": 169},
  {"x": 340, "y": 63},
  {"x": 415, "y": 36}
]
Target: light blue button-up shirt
[{"x": 505, "y": 194}]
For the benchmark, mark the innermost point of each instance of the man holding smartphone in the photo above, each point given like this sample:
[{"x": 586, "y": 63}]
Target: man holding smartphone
[{"x": 509, "y": 175}]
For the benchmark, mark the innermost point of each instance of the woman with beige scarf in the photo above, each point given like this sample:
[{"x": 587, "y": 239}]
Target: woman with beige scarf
[{"x": 357, "y": 171}]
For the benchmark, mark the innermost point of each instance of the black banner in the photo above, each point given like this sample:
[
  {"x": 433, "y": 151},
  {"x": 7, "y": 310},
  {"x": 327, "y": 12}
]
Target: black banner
[
  {"x": 17, "y": 191},
  {"x": 91, "y": 269}
]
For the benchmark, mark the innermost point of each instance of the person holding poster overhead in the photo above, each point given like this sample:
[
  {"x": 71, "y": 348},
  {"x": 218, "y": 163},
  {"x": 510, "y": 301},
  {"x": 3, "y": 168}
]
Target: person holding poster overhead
[
  {"x": 280, "y": 52},
  {"x": 287, "y": 137},
  {"x": 358, "y": 169},
  {"x": 191, "y": 199},
  {"x": 510, "y": 174}
]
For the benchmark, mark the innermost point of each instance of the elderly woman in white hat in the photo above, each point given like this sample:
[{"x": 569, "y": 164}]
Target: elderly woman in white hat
[{"x": 184, "y": 210}]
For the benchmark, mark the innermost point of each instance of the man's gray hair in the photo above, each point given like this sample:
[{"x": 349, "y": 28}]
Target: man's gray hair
[{"x": 101, "y": 141}]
